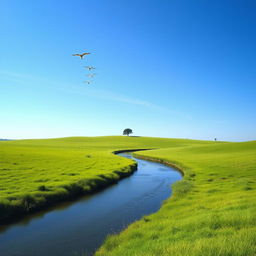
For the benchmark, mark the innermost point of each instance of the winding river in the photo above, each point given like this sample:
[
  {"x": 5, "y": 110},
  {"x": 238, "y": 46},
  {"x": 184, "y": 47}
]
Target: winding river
[{"x": 78, "y": 228}]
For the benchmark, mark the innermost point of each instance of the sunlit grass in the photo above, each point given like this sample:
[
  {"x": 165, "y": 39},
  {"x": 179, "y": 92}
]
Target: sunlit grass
[
  {"x": 35, "y": 173},
  {"x": 212, "y": 210}
]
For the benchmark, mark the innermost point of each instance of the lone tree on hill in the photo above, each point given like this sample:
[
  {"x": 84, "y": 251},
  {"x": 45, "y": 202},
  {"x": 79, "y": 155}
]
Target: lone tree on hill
[{"x": 127, "y": 131}]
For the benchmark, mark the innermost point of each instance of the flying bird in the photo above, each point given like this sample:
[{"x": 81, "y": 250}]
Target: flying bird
[
  {"x": 91, "y": 75},
  {"x": 88, "y": 82},
  {"x": 81, "y": 55},
  {"x": 90, "y": 67}
]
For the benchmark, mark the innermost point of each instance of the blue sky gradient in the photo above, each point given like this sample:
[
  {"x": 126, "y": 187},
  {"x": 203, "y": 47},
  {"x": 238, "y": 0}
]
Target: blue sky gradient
[{"x": 168, "y": 68}]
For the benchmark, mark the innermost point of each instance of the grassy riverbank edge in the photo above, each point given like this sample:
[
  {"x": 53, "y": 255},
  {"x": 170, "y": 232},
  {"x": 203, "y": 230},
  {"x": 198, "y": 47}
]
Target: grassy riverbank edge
[
  {"x": 162, "y": 161},
  {"x": 179, "y": 187},
  {"x": 28, "y": 204}
]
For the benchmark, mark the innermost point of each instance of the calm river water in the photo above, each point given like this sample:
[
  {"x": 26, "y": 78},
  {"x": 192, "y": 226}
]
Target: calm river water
[{"x": 80, "y": 227}]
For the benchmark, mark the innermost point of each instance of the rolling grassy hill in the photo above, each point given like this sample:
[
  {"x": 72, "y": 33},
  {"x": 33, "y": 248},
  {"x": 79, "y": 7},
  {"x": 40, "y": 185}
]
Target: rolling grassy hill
[
  {"x": 36, "y": 173},
  {"x": 212, "y": 211}
]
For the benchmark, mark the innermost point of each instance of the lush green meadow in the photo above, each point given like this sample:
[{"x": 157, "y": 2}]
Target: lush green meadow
[
  {"x": 36, "y": 173},
  {"x": 211, "y": 212}
]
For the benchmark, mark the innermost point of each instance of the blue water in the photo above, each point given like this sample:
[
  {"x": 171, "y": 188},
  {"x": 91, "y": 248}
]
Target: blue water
[{"x": 80, "y": 227}]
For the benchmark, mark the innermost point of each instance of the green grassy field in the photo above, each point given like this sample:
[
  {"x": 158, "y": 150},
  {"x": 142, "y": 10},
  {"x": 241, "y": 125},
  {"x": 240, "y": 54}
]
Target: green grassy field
[
  {"x": 211, "y": 212},
  {"x": 36, "y": 173}
]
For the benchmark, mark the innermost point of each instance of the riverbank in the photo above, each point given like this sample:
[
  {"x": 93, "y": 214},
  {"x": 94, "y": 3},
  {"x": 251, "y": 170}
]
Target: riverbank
[
  {"x": 212, "y": 209},
  {"x": 27, "y": 204}
]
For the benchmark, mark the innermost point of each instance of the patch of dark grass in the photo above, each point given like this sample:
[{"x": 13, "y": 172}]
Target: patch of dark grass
[
  {"x": 28, "y": 202},
  {"x": 146, "y": 219},
  {"x": 175, "y": 230},
  {"x": 154, "y": 237},
  {"x": 247, "y": 188},
  {"x": 43, "y": 188},
  {"x": 215, "y": 222},
  {"x": 74, "y": 189},
  {"x": 212, "y": 191},
  {"x": 42, "y": 180},
  {"x": 136, "y": 235}
]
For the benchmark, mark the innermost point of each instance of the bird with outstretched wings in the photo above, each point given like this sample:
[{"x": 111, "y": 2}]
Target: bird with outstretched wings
[
  {"x": 88, "y": 82},
  {"x": 91, "y": 75},
  {"x": 81, "y": 55},
  {"x": 90, "y": 67}
]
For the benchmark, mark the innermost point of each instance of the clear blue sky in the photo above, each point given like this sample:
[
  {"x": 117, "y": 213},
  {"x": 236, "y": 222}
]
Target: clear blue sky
[{"x": 166, "y": 68}]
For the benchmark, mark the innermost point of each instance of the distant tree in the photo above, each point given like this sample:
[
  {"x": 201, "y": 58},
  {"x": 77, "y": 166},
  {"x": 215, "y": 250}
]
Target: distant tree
[{"x": 127, "y": 131}]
